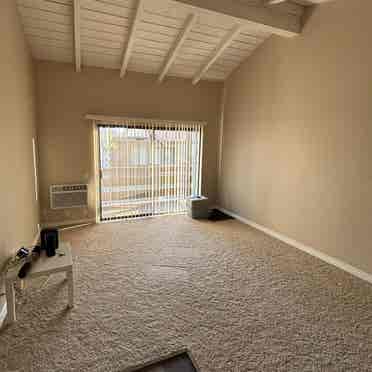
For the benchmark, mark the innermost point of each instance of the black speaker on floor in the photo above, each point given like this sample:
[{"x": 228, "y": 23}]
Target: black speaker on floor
[{"x": 49, "y": 241}]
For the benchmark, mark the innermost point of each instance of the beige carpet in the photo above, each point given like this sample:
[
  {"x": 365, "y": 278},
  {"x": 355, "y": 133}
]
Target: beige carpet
[{"x": 236, "y": 298}]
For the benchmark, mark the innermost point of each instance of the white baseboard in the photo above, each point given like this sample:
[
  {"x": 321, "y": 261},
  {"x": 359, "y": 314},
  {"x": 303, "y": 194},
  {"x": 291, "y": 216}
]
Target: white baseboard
[
  {"x": 68, "y": 223},
  {"x": 294, "y": 243}
]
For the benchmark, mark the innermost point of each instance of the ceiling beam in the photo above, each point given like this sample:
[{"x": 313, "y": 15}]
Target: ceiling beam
[
  {"x": 286, "y": 7},
  {"x": 268, "y": 18},
  {"x": 77, "y": 42},
  {"x": 132, "y": 36},
  {"x": 190, "y": 21},
  {"x": 276, "y": 1},
  {"x": 226, "y": 41}
]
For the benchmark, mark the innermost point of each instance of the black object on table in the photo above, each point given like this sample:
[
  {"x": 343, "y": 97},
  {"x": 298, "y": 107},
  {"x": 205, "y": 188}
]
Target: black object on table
[{"x": 49, "y": 241}]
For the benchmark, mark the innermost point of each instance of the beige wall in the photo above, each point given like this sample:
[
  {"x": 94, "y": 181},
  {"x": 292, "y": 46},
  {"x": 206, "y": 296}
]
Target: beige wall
[
  {"x": 19, "y": 210},
  {"x": 64, "y": 97},
  {"x": 297, "y": 148}
]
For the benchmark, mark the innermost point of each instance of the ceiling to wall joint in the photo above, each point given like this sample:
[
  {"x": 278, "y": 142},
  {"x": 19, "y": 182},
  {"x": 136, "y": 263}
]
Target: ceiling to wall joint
[{"x": 193, "y": 39}]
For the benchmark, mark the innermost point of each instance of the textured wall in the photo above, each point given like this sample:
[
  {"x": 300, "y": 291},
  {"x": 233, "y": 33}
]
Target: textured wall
[
  {"x": 298, "y": 133},
  {"x": 64, "y": 97},
  {"x": 19, "y": 209}
]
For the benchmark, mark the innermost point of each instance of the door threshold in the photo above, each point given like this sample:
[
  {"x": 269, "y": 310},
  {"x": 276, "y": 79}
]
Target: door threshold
[{"x": 129, "y": 219}]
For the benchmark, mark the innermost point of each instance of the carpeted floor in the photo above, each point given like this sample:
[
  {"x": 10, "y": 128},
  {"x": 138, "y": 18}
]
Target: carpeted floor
[{"x": 237, "y": 299}]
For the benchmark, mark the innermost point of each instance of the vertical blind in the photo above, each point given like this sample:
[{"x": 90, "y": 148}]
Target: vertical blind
[{"x": 148, "y": 167}]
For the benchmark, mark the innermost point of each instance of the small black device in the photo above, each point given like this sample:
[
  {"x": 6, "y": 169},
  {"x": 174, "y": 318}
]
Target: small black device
[
  {"x": 22, "y": 253},
  {"x": 49, "y": 241}
]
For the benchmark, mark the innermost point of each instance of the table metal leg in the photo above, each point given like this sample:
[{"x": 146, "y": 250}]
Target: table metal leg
[
  {"x": 10, "y": 300},
  {"x": 70, "y": 283}
]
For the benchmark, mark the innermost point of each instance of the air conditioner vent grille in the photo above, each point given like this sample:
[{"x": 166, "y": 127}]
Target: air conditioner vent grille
[{"x": 68, "y": 196}]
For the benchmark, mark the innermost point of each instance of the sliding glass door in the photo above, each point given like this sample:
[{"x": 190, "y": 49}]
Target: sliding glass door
[{"x": 148, "y": 169}]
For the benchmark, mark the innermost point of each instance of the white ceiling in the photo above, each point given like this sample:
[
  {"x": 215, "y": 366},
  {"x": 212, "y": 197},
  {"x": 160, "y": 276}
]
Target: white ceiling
[
  {"x": 304, "y": 2},
  {"x": 163, "y": 37},
  {"x": 318, "y": 1}
]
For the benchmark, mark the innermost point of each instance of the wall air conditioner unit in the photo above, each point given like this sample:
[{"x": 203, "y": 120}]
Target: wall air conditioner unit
[{"x": 68, "y": 196}]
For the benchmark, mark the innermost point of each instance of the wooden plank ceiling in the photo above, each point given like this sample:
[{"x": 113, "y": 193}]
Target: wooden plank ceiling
[{"x": 162, "y": 37}]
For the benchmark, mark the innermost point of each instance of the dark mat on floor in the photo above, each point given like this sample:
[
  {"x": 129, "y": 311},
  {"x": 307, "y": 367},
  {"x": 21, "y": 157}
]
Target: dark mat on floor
[
  {"x": 217, "y": 215},
  {"x": 179, "y": 363}
]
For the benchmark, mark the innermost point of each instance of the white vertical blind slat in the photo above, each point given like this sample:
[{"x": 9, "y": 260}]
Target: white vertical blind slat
[
  {"x": 181, "y": 168},
  {"x": 183, "y": 198},
  {"x": 152, "y": 171},
  {"x": 157, "y": 174},
  {"x": 188, "y": 191},
  {"x": 148, "y": 169},
  {"x": 178, "y": 167},
  {"x": 201, "y": 128},
  {"x": 167, "y": 166}
]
